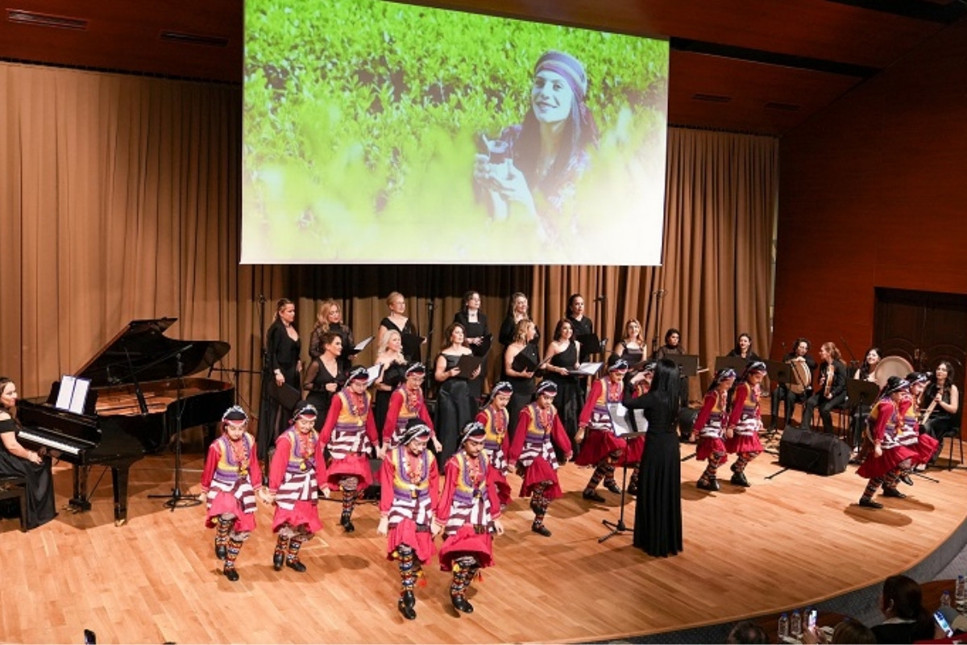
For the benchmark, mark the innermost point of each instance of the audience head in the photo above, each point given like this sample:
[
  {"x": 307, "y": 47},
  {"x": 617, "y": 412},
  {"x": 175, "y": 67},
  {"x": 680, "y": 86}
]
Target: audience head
[
  {"x": 901, "y": 598},
  {"x": 747, "y": 632},
  {"x": 850, "y": 630}
]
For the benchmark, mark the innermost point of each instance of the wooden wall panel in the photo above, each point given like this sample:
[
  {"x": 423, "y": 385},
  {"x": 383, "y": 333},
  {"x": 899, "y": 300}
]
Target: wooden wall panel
[{"x": 873, "y": 195}]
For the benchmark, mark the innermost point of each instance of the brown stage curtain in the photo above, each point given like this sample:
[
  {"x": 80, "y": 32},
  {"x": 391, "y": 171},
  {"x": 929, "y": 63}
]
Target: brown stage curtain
[
  {"x": 119, "y": 199},
  {"x": 720, "y": 203}
]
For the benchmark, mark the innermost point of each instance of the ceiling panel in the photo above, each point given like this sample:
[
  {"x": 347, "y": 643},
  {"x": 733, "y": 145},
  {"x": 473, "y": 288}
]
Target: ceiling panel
[{"x": 798, "y": 54}]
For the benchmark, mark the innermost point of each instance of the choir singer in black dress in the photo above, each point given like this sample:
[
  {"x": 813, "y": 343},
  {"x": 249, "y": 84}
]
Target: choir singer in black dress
[
  {"x": 283, "y": 367},
  {"x": 658, "y": 509}
]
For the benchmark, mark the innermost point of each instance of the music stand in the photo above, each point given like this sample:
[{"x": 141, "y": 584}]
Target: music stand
[
  {"x": 176, "y": 499},
  {"x": 687, "y": 363},
  {"x": 737, "y": 363},
  {"x": 619, "y": 526},
  {"x": 860, "y": 392}
]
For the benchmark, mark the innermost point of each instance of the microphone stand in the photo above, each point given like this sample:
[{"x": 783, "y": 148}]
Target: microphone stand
[
  {"x": 429, "y": 344},
  {"x": 619, "y": 526},
  {"x": 176, "y": 499},
  {"x": 654, "y": 339}
]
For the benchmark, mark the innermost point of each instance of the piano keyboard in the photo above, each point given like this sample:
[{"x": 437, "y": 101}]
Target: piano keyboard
[{"x": 47, "y": 441}]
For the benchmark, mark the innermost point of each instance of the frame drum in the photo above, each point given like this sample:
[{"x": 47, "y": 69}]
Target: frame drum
[{"x": 891, "y": 366}]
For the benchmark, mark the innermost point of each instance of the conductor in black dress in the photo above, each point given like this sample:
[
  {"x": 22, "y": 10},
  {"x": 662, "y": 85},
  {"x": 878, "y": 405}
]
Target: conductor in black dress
[{"x": 658, "y": 509}]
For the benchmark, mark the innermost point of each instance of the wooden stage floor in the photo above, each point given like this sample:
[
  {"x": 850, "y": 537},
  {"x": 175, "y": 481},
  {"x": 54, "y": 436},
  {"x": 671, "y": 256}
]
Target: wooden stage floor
[{"x": 794, "y": 540}]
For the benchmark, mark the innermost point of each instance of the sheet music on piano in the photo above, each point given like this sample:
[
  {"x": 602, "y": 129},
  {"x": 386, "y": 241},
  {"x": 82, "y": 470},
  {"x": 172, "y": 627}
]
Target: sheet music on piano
[{"x": 72, "y": 395}]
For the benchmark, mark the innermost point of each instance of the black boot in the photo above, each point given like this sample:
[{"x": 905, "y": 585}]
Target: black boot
[
  {"x": 592, "y": 496},
  {"x": 281, "y": 548},
  {"x": 738, "y": 479},
  {"x": 461, "y": 604},
  {"x": 406, "y": 605},
  {"x": 346, "y": 521}
]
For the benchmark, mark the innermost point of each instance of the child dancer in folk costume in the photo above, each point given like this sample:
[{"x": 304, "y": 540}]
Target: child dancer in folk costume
[
  {"x": 640, "y": 384},
  {"x": 495, "y": 419},
  {"x": 710, "y": 428},
  {"x": 910, "y": 435},
  {"x": 745, "y": 421},
  {"x": 406, "y": 403},
  {"x": 295, "y": 475},
  {"x": 539, "y": 429},
  {"x": 602, "y": 447},
  {"x": 409, "y": 493},
  {"x": 468, "y": 513},
  {"x": 229, "y": 482},
  {"x": 350, "y": 434},
  {"x": 888, "y": 460}
]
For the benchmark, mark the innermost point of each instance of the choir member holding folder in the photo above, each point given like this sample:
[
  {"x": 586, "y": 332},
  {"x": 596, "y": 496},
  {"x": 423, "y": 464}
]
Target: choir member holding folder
[
  {"x": 520, "y": 363},
  {"x": 562, "y": 361},
  {"x": 454, "y": 405},
  {"x": 478, "y": 336}
]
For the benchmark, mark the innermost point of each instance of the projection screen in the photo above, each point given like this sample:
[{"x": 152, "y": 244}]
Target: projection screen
[{"x": 378, "y": 132}]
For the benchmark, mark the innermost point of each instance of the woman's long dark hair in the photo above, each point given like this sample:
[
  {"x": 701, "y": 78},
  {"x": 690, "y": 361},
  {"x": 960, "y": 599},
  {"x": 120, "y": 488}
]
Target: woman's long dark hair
[
  {"x": 577, "y": 138},
  {"x": 906, "y": 598},
  {"x": 3, "y": 383},
  {"x": 865, "y": 367},
  {"x": 666, "y": 385}
]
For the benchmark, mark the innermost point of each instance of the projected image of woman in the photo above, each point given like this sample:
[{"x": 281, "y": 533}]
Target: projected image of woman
[{"x": 533, "y": 168}]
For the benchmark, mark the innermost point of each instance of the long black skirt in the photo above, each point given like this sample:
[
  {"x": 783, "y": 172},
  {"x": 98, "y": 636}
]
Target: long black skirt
[
  {"x": 658, "y": 509},
  {"x": 40, "y": 486}
]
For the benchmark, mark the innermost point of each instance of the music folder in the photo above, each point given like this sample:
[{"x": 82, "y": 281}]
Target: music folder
[
  {"x": 627, "y": 421},
  {"x": 467, "y": 364},
  {"x": 372, "y": 373},
  {"x": 525, "y": 361},
  {"x": 481, "y": 350},
  {"x": 360, "y": 346},
  {"x": 411, "y": 346},
  {"x": 286, "y": 395},
  {"x": 586, "y": 369}
]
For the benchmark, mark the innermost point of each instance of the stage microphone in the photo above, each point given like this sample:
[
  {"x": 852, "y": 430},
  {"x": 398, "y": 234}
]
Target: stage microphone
[
  {"x": 261, "y": 299},
  {"x": 601, "y": 298},
  {"x": 659, "y": 293}
]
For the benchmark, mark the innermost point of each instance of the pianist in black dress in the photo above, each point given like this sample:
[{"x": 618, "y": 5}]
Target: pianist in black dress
[
  {"x": 284, "y": 367},
  {"x": 17, "y": 461}
]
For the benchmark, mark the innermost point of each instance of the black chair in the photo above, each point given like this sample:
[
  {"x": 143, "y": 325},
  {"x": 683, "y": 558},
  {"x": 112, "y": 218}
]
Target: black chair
[
  {"x": 950, "y": 435},
  {"x": 16, "y": 488}
]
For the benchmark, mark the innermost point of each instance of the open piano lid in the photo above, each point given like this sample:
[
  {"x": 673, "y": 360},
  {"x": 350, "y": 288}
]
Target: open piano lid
[{"x": 142, "y": 350}]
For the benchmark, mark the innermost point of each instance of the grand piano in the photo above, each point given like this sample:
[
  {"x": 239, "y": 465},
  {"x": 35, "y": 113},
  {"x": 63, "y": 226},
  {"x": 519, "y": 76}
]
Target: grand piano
[{"x": 132, "y": 407}]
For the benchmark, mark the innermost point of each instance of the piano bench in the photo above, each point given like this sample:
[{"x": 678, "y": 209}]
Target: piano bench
[{"x": 16, "y": 487}]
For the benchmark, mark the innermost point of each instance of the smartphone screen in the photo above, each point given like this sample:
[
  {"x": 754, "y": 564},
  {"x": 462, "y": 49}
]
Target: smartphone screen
[
  {"x": 939, "y": 617},
  {"x": 811, "y": 619}
]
